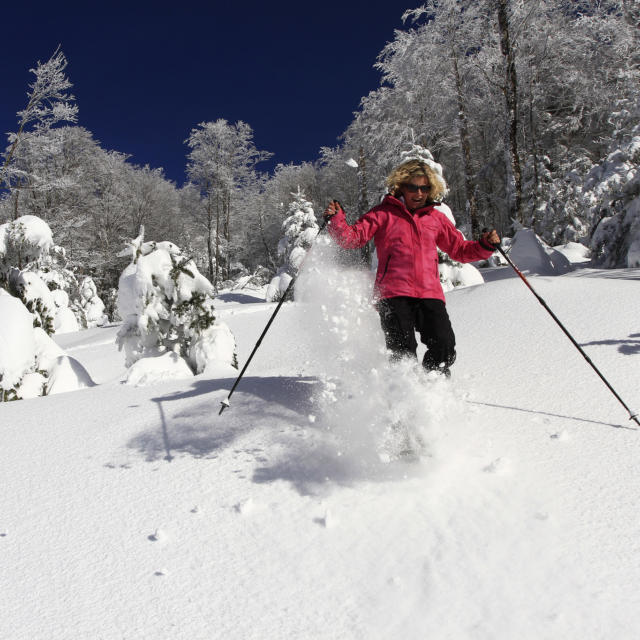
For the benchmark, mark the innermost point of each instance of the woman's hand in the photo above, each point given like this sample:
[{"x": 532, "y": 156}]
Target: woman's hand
[
  {"x": 490, "y": 238},
  {"x": 332, "y": 208}
]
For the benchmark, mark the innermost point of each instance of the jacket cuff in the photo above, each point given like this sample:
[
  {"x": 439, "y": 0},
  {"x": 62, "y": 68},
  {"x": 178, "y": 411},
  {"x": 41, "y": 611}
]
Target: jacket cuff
[{"x": 486, "y": 245}]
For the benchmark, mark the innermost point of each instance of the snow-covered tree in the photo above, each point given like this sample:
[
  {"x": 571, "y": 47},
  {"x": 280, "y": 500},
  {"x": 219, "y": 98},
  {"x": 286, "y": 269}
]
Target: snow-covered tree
[
  {"x": 221, "y": 161},
  {"x": 300, "y": 230},
  {"x": 167, "y": 308},
  {"x": 48, "y": 103},
  {"x": 612, "y": 195}
]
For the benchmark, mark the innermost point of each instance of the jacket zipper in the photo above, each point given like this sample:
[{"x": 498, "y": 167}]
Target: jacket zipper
[{"x": 386, "y": 266}]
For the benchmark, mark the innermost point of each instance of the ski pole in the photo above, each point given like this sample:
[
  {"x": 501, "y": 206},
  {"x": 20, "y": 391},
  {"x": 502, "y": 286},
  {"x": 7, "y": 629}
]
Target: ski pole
[
  {"x": 226, "y": 402},
  {"x": 632, "y": 415}
]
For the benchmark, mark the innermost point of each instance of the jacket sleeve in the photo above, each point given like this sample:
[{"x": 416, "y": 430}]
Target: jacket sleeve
[
  {"x": 357, "y": 234},
  {"x": 452, "y": 242}
]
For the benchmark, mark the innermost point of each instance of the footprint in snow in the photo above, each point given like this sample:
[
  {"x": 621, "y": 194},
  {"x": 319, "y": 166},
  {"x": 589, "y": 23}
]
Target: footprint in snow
[
  {"x": 157, "y": 536},
  {"x": 245, "y": 507},
  {"x": 327, "y": 521},
  {"x": 500, "y": 466}
]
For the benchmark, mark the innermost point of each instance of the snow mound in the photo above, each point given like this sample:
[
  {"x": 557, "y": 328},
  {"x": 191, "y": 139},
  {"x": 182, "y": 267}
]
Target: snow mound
[
  {"x": 532, "y": 255},
  {"x": 458, "y": 275},
  {"x": 574, "y": 252},
  {"x": 17, "y": 342},
  {"x": 67, "y": 374},
  {"x": 149, "y": 371}
]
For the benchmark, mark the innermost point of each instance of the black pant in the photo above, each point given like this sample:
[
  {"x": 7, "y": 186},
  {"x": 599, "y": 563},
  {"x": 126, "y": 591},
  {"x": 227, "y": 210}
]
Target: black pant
[{"x": 400, "y": 317}]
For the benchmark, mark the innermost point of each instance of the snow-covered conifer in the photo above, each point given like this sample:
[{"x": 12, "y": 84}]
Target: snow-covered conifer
[
  {"x": 48, "y": 104},
  {"x": 300, "y": 230},
  {"x": 91, "y": 304},
  {"x": 167, "y": 306}
]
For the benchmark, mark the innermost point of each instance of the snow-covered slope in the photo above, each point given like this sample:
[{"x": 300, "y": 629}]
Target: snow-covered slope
[{"x": 138, "y": 512}]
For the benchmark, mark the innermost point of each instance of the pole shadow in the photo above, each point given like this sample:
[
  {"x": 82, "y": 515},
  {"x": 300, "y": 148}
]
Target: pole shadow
[
  {"x": 552, "y": 415},
  {"x": 628, "y": 347}
]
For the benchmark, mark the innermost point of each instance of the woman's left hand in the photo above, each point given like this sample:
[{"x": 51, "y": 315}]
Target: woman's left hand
[{"x": 491, "y": 237}]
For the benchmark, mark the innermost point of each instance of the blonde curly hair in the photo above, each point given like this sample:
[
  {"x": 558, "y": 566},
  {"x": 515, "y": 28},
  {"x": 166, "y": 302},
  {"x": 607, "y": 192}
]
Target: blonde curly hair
[{"x": 403, "y": 173}]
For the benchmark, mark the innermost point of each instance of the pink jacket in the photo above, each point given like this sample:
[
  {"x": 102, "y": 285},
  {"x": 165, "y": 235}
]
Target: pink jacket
[{"x": 406, "y": 246}]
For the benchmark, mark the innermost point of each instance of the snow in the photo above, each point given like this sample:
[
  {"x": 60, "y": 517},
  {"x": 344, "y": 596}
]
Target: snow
[
  {"x": 459, "y": 275},
  {"x": 91, "y": 303},
  {"x": 138, "y": 512},
  {"x": 30, "y": 232},
  {"x": 149, "y": 371},
  {"x": 574, "y": 252},
  {"x": 67, "y": 374},
  {"x": 17, "y": 343},
  {"x": 65, "y": 320},
  {"x": 533, "y": 256}
]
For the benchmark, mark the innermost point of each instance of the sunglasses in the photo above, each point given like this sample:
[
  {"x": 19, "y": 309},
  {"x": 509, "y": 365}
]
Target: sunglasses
[{"x": 414, "y": 188}]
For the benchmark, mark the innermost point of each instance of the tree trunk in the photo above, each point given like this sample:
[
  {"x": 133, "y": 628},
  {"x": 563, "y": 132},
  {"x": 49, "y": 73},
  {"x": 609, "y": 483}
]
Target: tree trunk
[
  {"x": 227, "y": 235},
  {"x": 511, "y": 98},
  {"x": 465, "y": 144},
  {"x": 209, "y": 241},
  {"x": 217, "y": 266},
  {"x": 269, "y": 258},
  {"x": 363, "y": 200},
  {"x": 536, "y": 187}
]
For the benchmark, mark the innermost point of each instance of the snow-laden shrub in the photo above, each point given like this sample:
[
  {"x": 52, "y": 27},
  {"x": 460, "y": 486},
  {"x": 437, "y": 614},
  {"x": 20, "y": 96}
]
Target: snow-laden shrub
[
  {"x": 31, "y": 364},
  {"x": 33, "y": 269},
  {"x": 36, "y": 296},
  {"x": 454, "y": 275},
  {"x": 26, "y": 239},
  {"x": 300, "y": 231},
  {"x": 167, "y": 306},
  {"x": 17, "y": 344},
  {"x": 91, "y": 304}
]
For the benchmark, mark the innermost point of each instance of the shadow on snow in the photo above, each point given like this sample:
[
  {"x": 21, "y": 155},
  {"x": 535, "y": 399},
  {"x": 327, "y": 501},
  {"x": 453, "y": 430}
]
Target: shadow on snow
[
  {"x": 629, "y": 346},
  {"x": 305, "y": 453},
  {"x": 199, "y": 430}
]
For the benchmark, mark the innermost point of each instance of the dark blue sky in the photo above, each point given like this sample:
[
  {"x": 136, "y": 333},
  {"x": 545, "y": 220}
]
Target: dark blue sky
[{"x": 145, "y": 74}]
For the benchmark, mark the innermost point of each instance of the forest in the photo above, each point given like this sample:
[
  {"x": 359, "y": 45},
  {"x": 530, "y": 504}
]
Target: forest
[{"x": 532, "y": 109}]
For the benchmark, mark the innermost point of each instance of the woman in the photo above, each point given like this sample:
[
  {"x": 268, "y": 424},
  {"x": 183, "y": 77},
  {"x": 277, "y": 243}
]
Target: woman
[{"x": 407, "y": 227}]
